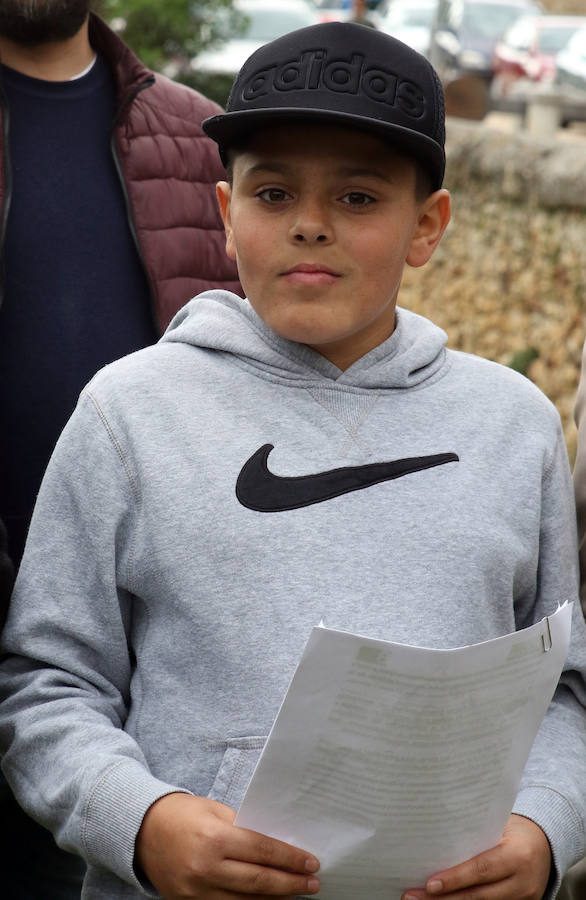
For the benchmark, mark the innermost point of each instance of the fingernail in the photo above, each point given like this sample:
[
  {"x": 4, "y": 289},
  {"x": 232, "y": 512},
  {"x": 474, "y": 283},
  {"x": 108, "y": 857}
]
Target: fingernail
[
  {"x": 434, "y": 887},
  {"x": 410, "y": 897},
  {"x": 311, "y": 864},
  {"x": 313, "y": 884}
]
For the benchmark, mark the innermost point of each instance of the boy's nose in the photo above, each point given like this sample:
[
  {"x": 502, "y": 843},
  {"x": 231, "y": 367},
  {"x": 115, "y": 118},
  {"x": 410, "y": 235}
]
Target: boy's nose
[
  {"x": 311, "y": 226},
  {"x": 310, "y": 237}
]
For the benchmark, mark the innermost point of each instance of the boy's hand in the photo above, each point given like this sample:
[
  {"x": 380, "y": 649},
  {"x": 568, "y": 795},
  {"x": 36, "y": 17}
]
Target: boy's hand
[
  {"x": 189, "y": 849},
  {"x": 516, "y": 869}
]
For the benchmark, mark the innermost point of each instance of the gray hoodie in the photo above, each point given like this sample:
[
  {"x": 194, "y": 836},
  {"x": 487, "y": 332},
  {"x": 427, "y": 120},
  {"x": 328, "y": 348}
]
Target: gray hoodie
[{"x": 176, "y": 563}]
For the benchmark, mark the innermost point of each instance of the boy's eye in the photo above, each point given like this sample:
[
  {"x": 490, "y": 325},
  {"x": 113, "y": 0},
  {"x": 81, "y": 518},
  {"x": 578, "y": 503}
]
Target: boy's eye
[
  {"x": 273, "y": 195},
  {"x": 357, "y": 198}
]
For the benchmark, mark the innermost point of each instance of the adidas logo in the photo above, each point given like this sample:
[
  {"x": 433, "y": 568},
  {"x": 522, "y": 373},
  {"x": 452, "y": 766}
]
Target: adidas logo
[{"x": 313, "y": 71}]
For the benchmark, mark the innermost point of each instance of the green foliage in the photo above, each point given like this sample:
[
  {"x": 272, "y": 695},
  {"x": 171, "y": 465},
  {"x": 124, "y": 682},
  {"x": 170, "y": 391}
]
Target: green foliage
[
  {"x": 170, "y": 32},
  {"x": 216, "y": 87},
  {"x": 521, "y": 361}
]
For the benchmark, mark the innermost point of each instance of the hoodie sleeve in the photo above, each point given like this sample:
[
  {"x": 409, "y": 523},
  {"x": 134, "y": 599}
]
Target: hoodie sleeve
[
  {"x": 552, "y": 788},
  {"x": 65, "y": 674},
  {"x": 580, "y": 472}
]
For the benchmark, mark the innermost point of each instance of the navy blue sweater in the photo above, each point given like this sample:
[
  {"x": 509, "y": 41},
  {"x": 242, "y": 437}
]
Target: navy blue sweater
[{"x": 75, "y": 293}]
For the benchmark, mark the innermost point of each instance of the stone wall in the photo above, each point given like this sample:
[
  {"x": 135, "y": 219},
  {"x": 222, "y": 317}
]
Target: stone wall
[
  {"x": 546, "y": 173},
  {"x": 508, "y": 280}
]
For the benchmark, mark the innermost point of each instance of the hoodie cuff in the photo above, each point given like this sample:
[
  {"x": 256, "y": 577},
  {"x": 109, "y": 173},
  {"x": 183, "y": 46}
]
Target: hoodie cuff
[
  {"x": 113, "y": 816},
  {"x": 561, "y": 824}
]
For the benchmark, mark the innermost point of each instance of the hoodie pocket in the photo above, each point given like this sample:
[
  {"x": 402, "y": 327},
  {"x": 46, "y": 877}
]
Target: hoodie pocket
[{"x": 238, "y": 763}]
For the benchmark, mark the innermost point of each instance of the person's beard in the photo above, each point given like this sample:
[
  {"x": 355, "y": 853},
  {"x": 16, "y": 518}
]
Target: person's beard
[{"x": 33, "y": 22}]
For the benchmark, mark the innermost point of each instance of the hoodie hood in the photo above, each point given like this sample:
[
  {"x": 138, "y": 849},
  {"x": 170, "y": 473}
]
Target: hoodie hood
[{"x": 218, "y": 320}]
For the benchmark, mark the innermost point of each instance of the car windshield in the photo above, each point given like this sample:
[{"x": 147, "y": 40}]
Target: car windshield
[
  {"x": 552, "y": 40},
  {"x": 266, "y": 23},
  {"x": 577, "y": 45},
  {"x": 410, "y": 16},
  {"x": 489, "y": 20},
  {"x": 333, "y": 4}
]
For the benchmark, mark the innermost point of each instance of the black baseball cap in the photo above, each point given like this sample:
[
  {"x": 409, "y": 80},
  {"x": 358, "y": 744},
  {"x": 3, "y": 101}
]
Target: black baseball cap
[{"x": 342, "y": 73}]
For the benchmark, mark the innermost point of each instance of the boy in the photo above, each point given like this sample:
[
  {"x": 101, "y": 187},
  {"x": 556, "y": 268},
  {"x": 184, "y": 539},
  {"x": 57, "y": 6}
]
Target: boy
[{"x": 311, "y": 452}]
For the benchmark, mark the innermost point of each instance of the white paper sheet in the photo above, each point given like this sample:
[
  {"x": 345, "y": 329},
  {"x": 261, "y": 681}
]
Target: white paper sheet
[{"x": 391, "y": 762}]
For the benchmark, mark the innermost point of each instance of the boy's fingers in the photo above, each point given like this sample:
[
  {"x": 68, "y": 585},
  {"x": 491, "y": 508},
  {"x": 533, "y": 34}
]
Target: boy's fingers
[
  {"x": 250, "y": 846},
  {"x": 498, "y": 890},
  {"x": 518, "y": 866},
  {"x": 245, "y": 878},
  {"x": 493, "y": 865}
]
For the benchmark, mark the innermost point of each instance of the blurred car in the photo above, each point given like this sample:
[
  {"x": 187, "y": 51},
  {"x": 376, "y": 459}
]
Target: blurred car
[
  {"x": 333, "y": 10},
  {"x": 526, "y": 57},
  {"x": 570, "y": 78},
  {"x": 266, "y": 21},
  {"x": 341, "y": 10},
  {"x": 411, "y": 21},
  {"x": 465, "y": 33}
]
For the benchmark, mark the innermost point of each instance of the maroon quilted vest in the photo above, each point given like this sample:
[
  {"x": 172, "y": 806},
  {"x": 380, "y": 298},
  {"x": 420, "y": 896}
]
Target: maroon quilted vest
[{"x": 168, "y": 171}]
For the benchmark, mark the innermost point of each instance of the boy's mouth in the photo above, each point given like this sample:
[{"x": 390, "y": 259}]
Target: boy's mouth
[{"x": 310, "y": 273}]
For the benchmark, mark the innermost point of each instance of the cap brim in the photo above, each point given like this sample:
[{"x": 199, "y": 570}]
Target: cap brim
[{"x": 232, "y": 128}]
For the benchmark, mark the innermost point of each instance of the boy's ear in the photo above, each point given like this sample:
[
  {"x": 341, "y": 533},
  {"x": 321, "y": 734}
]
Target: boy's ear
[
  {"x": 224, "y": 195},
  {"x": 433, "y": 219}
]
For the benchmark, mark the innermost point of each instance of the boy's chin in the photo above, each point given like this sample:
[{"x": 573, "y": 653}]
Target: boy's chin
[{"x": 301, "y": 334}]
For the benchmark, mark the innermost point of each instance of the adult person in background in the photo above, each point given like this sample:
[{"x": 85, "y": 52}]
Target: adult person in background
[
  {"x": 360, "y": 16},
  {"x": 109, "y": 224},
  {"x": 106, "y": 231},
  {"x": 574, "y": 884}
]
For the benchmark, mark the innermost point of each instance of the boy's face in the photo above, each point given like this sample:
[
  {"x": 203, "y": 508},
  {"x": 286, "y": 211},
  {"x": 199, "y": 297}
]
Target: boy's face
[{"x": 321, "y": 220}]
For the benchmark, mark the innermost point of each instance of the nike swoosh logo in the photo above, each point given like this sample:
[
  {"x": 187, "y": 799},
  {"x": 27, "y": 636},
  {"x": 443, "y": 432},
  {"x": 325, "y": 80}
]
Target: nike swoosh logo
[{"x": 259, "y": 489}]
